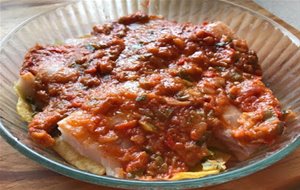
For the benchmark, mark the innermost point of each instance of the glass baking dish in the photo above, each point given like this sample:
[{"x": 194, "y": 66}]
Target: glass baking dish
[{"x": 277, "y": 49}]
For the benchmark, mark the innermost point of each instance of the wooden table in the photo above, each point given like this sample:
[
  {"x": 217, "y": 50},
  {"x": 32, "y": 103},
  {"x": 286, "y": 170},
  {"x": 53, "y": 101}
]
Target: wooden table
[{"x": 18, "y": 172}]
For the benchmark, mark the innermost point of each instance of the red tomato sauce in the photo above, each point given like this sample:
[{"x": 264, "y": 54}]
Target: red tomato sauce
[{"x": 161, "y": 85}]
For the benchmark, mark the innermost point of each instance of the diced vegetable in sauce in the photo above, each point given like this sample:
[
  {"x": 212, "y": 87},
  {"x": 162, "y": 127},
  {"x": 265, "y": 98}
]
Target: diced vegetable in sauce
[{"x": 148, "y": 98}]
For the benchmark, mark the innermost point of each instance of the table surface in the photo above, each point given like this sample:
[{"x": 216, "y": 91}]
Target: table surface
[
  {"x": 288, "y": 10},
  {"x": 19, "y": 172}
]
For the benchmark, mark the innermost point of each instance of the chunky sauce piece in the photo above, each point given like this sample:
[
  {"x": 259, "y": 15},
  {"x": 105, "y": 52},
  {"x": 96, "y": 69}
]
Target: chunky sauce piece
[{"x": 160, "y": 87}]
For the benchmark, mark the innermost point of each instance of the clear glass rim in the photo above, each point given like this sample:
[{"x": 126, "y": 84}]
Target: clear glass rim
[{"x": 124, "y": 183}]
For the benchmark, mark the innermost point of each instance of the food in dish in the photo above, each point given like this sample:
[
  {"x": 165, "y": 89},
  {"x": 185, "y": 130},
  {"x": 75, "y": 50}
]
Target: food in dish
[{"x": 150, "y": 99}]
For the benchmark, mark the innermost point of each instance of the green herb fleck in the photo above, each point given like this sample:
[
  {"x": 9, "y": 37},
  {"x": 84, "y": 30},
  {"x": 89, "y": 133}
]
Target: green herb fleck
[
  {"x": 182, "y": 74},
  {"x": 287, "y": 115},
  {"x": 159, "y": 160},
  {"x": 141, "y": 98},
  {"x": 280, "y": 128},
  {"x": 164, "y": 167},
  {"x": 137, "y": 46},
  {"x": 90, "y": 47},
  {"x": 221, "y": 44},
  {"x": 34, "y": 113},
  {"x": 134, "y": 174},
  {"x": 236, "y": 76},
  {"x": 220, "y": 69},
  {"x": 231, "y": 96},
  {"x": 213, "y": 165},
  {"x": 268, "y": 114}
]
